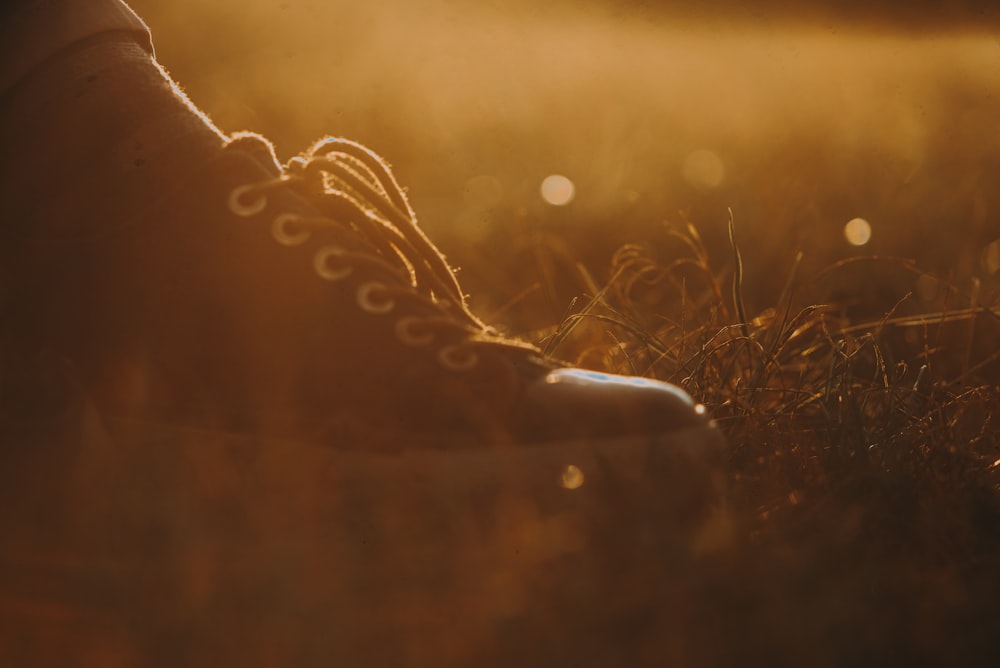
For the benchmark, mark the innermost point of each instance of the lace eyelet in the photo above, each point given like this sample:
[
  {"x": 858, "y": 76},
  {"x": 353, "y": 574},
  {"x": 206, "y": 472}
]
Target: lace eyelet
[
  {"x": 279, "y": 229},
  {"x": 321, "y": 264},
  {"x": 456, "y": 358},
  {"x": 369, "y": 305},
  {"x": 240, "y": 208},
  {"x": 405, "y": 333}
]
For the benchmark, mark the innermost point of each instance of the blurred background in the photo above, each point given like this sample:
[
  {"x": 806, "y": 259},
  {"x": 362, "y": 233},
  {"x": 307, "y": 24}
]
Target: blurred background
[{"x": 838, "y": 129}]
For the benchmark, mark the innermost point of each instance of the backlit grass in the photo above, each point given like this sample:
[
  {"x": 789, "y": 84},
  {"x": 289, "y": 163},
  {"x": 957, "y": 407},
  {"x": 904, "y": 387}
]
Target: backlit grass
[{"x": 713, "y": 240}]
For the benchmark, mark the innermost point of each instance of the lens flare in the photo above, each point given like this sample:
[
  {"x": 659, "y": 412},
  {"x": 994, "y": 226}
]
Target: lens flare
[
  {"x": 858, "y": 232},
  {"x": 558, "y": 190}
]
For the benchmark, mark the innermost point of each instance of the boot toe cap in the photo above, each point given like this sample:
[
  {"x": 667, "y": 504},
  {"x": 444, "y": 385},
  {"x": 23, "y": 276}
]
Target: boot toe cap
[{"x": 581, "y": 403}]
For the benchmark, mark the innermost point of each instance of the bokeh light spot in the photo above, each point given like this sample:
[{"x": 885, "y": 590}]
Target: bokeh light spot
[
  {"x": 572, "y": 477},
  {"x": 558, "y": 190},
  {"x": 858, "y": 232},
  {"x": 704, "y": 169}
]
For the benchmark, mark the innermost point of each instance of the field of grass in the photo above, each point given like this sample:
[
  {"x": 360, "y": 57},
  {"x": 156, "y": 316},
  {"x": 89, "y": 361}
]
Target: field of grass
[{"x": 716, "y": 167}]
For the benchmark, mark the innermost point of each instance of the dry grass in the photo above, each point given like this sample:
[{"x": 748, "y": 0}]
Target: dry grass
[
  {"x": 860, "y": 396},
  {"x": 864, "y": 453}
]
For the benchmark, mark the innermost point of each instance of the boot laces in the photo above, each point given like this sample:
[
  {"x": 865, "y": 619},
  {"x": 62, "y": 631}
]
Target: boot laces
[{"x": 353, "y": 187}]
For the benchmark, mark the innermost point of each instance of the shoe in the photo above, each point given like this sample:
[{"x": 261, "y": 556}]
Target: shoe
[
  {"x": 298, "y": 301},
  {"x": 311, "y": 305},
  {"x": 282, "y": 416}
]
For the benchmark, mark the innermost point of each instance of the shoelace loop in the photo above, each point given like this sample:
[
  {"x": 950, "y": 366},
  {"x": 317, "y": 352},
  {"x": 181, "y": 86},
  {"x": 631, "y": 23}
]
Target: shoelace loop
[{"x": 354, "y": 189}]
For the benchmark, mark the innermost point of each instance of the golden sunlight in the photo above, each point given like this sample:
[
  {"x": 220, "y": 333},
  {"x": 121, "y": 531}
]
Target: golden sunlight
[{"x": 679, "y": 192}]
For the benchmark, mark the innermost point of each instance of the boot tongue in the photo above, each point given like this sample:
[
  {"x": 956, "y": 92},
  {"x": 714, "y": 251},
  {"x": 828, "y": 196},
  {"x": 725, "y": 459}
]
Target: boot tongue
[{"x": 256, "y": 148}]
